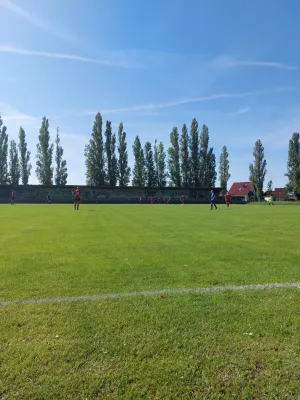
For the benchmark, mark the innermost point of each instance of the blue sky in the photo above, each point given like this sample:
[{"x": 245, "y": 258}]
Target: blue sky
[{"x": 233, "y": 65}]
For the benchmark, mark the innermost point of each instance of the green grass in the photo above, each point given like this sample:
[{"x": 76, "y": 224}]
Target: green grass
[{"x": 181, "y": 346}]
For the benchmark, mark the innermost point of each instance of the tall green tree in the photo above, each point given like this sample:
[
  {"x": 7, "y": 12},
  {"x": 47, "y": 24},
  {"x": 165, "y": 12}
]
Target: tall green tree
[
  {"x": 204, "y": 178},
  {"x": 110, "y": 148},
  {"x": 138, "y": 178},
  {"x": 194, "y": 153},
  {"x": 211, "y": 174},
  {"x": 160, "y": 164},
  {"x": 293, "y": 165},
  {"x": 123, "y": 168},
  {"x": 3, "y": 154},
  {"x": 94, "y": 155},
  {"x": 61, "y": 171},
  {"x": 174, "y": 158},
  {"x": 14, "y": 166},
  {"x": 114, "y": 161},
  {"x": 258, "y": 168},
  {"x": 184, "y": 157},
  {"x": 270, "y": 187},
  {"x": 44, "y": 169},
  {"x": 224, "y": 174},
  {"x": 149, "y": 166},
  {"x": 24, "y": 153}
]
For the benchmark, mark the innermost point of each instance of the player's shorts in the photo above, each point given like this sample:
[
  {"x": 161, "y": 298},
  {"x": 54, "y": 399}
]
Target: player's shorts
[
  {"x": 77, "y": 200},
  {"x": 13, "y": 198}
]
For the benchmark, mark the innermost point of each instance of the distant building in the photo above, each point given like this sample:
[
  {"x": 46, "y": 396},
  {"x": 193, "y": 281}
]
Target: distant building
[
  {"x": 243, "y": 192},
  {"x": 280, "y": 194}
]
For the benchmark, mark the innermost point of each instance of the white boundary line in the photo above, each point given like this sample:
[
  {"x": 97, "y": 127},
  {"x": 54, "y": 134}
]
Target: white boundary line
[{"x": 150, "y": 293}]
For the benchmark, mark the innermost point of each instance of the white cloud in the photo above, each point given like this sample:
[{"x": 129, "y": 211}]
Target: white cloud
[
  {"x": 175, "y": 103},
  {"x": 240, "y": 111},
  {"x": 145, "y": 107},
  {"x": 36, "y": 21},
  {"x": 227, "y": 62},
  {"x": 243, "y": 110},
  {"x": 72, "y": 57},
  {"x": 9, "y": 113}
]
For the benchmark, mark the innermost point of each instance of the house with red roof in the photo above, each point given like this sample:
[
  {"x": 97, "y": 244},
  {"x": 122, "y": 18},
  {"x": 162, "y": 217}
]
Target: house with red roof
[{"x": 243, "y": 192}]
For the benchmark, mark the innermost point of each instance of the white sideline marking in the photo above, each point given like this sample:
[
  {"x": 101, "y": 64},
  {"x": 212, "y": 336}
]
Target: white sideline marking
[{"x": 149, "y": 293}]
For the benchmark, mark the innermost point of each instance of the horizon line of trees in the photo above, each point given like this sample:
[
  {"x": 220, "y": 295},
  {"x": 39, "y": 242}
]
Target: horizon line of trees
[{"x": 189, "y": 160}]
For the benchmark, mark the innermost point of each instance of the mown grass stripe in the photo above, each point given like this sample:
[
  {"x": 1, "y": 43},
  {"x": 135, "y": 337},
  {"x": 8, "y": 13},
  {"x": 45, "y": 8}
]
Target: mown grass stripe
[{"x": 262, "y": 286}]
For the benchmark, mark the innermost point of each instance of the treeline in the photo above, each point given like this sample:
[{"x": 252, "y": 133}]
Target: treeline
[{"x": 189, "y": 161}]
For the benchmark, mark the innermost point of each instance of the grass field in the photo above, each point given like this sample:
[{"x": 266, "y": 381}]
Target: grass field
[{"x": 217, "y": 345}]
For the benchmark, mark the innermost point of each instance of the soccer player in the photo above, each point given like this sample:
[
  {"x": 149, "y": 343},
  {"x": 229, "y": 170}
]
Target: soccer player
[
  {"x": 141, "y": 200},
  {"x": 48, "y": 198},
  {"x": 77, "y": 197},
  {"x": 182, "y": 200},
  {"x": 13, "y": 197},
  {"x": 271, "y": 200},
  {"x": 227, "y": 199},
  {"x": 213, "y": 200}
]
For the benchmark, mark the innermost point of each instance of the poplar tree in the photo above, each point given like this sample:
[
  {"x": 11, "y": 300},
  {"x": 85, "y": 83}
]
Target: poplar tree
[
  {"x": 3, "y": 154},
  {"x": 24, "y": 153},
  {"x": 44, "y": 169},
  {"x": 14, "y": 166},
  {"x": 258, "y": 168},
  {"x": 94, "y": 155},
  {"x": 174, "y": 159},
  {"x": 61, "y": 171},
  {"x": 138, "y": 178},
  {"x": 123, "y": 168},
  {"x": 224, "y": 174}
]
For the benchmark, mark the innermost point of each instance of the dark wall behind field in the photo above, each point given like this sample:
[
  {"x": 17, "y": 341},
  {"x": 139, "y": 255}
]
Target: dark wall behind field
[{"x": 37, "y": 194}]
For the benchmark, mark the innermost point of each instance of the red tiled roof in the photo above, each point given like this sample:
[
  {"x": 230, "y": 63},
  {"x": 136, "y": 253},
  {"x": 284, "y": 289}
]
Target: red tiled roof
[{"x": 240, "y": 188}]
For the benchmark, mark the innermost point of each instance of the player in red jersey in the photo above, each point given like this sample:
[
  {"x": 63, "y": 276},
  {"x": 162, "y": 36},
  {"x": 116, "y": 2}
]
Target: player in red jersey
[
  {"x": 182, "y": 200},
  {"x": 13, "y": 197},
  {"x": 77, "y": 197},
  {"x": 227, "y": 199}
]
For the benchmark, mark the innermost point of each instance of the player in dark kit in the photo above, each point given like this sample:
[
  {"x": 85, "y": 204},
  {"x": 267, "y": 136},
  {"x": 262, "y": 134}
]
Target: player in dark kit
[
  {"x": 227, "y": 199},
  {"x": 48, "y": 198},
  {"x": 182, "y": 200},
  {"x": 77, "y": 197},
  {"x": 213, "y": 200},
  {"x": 13, "y": 197}
]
